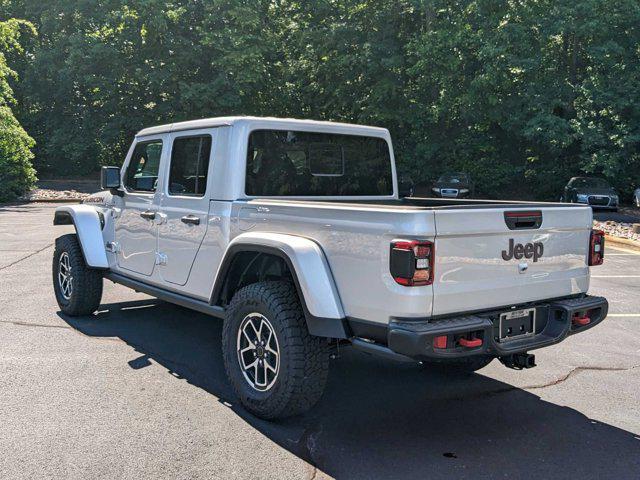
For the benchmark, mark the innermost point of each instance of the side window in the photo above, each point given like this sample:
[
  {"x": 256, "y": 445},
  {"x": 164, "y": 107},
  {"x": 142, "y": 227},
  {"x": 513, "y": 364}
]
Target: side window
[
  {"x": 142, "y": 172},
  {"x": 189, "y": 165}
]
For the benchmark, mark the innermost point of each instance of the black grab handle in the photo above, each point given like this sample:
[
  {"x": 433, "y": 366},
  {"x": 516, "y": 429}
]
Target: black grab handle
[{"x": 523, "y": 220}]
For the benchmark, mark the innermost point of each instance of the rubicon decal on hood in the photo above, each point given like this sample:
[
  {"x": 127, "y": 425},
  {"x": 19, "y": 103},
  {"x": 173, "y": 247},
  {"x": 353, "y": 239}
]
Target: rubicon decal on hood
[{"x": 533, "y": 250}]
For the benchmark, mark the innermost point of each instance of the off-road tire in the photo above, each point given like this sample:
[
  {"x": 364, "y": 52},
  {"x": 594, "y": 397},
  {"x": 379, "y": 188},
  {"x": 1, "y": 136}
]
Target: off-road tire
[
  {"x": 458, "y": 366},
  {"x": 87, "y": 282},
  {"x": 304, "y": 359}
]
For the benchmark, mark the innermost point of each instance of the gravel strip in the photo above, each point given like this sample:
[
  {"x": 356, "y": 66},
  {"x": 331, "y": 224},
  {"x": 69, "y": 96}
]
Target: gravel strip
[
  {"x": 44, "y": 194},
  {"x": 619, "y": 229}
]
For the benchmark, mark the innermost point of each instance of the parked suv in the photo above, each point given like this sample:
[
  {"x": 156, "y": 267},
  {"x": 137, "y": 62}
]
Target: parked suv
[
  {"x": 453, "y": 185},
  {"x": 292, "y": 232},
  {"x": 591, "y": 191}
]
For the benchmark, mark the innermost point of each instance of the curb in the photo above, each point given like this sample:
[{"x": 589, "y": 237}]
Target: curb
[
  {"x": 622, "y": 242},
  {"x": 27, "y": 202}
]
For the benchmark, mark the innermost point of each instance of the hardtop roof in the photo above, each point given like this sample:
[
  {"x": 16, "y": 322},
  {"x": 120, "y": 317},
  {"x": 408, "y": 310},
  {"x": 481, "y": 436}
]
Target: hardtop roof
[{"x": 278, "y": 123}]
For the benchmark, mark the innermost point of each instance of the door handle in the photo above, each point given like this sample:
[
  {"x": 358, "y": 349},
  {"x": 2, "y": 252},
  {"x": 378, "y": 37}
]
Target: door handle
[
  {"x": 148, "y": 214},
  {"x": 190, "y": 219}
]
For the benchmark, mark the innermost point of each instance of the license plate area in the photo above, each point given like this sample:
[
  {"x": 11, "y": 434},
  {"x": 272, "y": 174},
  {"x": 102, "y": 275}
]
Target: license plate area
[{"x": 517, "y": 324}]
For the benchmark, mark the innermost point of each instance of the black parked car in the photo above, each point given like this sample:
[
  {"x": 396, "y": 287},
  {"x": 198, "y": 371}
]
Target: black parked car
[
  {"x": 453, "y": 185},
  {"x": 593, "y": 191}
]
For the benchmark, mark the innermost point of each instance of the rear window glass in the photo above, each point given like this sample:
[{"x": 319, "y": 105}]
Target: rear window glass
[{"x": 296, "y": 163}]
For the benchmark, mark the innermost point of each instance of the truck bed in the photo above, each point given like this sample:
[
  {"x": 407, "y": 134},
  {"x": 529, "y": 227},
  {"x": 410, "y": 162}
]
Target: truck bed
[{"x": 471, "y": 272}]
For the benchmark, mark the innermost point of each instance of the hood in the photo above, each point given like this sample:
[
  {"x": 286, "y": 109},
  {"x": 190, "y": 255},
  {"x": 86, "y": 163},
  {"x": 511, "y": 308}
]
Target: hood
[{"x": 457, "y": 185}]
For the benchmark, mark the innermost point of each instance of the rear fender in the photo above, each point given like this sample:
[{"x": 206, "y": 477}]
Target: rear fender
[
  {"x": 311, "y": 273},
  {"x": 86, "y": 221}
]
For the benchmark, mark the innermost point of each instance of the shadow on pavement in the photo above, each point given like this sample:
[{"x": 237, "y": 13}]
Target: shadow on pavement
[{"x": 380, "y": 419}]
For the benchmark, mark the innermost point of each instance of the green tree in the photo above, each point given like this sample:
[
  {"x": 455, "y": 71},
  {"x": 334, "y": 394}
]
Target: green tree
[
  {"x": 521, "y": 94},
  {"x": 526, "y": 94},
  {"x": 17, "y": 175}
]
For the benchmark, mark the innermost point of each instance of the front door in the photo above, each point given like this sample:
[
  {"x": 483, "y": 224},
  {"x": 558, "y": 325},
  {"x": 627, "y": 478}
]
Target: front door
[
  {"x": 135, "y": 227},
  {"x": 184, "y": 206}
]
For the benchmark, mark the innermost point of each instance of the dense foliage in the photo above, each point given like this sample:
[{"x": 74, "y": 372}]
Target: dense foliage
[
  {"x": 17, "y": 175},
  {"x": 522, "y": 93}
]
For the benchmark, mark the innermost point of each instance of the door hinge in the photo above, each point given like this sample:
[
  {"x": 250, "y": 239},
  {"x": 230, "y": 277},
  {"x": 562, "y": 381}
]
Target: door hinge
[
  {"x": 113, "y": 247},
  {"x": 161, "y": 258},
  {"x": 161, "y": 218}
]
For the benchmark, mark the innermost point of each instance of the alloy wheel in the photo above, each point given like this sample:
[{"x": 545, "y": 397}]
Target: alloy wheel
[
  {"x": 65, "y": 277},
  {"x": 258, "y": 352}
]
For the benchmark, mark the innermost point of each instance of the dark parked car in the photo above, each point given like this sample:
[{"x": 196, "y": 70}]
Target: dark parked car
[
  {"x": 453, "y": 185},
  {"x": 593, "y": 191}
]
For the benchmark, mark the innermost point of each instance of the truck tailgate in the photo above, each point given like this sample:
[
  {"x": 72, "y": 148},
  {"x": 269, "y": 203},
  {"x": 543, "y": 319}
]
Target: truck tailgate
[{"x": 472, "y": 272}]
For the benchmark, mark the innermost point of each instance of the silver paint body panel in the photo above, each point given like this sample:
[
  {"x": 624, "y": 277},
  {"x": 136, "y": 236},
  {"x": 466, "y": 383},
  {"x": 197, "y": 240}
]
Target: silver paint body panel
[{"x": 87, "y": 224}]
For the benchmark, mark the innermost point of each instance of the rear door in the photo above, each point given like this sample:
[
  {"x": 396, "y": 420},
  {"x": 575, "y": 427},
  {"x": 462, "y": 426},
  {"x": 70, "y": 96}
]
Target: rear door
[
  {"x": 135, "y": 226},
  {"x": 482, "y": 263},
  {"x": 184, "y": 205}
]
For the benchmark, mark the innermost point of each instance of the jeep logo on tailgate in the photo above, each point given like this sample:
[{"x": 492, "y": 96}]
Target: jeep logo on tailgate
[{"x": 533, "y": 250}]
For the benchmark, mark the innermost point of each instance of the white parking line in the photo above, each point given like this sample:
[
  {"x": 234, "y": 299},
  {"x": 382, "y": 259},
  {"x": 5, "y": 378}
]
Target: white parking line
[
  {"x": 624, "y": 315},
  {"x": 625, "y": 250},
  {"x": 615, "y": 276}
]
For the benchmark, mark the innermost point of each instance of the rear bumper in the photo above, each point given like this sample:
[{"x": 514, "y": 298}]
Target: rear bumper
[{"x": 554, "y": 322}]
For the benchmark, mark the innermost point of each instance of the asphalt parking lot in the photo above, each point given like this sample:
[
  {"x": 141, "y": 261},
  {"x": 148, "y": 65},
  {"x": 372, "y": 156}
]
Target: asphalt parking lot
[{"x": 138, "y": 391}]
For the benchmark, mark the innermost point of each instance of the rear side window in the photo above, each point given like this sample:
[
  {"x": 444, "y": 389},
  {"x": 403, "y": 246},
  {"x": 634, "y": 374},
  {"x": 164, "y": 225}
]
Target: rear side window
[
  {"x": 189, "y": 165},
  {"x": 296, "y": 163},
  {"x": 142, "y": 172}
]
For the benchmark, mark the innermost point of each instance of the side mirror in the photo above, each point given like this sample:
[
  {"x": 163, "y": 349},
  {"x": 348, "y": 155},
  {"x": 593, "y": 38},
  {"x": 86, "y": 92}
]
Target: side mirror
[{"x": 110, "y": 178}]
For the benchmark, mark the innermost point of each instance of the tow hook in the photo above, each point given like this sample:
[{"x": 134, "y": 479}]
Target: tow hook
[
  {"x": 519, "y": 361},
  {"x": 580, "y": 320},
  {"x": 470, "y": 343}
]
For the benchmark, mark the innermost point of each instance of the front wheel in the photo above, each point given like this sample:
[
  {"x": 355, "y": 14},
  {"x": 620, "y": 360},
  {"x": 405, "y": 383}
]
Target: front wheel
[
  {"x": 78, "y": 288},
  {"x": 276, "y": 368}
]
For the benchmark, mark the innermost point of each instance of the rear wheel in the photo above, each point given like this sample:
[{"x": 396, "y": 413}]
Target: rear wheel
[
  {"x": 78, "y": 288},
  {"x": 276, "y": 368},
  {"x": 459, "y": 366}
]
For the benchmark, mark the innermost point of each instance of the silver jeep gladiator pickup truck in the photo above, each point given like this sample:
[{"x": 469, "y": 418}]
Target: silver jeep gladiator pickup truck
[{"x": 293, "y": 232}]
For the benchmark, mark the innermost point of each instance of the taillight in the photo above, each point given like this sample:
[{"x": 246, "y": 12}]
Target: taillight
[
  {"x": 411, "y": 262},
  {"x": 596, "y": 247}
]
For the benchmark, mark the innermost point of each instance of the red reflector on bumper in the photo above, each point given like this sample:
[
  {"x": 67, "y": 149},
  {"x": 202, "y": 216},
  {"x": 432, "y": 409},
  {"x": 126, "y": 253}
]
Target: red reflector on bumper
[{"x": 440, "y": 342}]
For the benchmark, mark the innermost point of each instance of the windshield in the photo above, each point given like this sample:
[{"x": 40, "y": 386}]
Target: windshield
[
  {"x": 454, "y": 178},
  {"x": 590, "y": 183}
]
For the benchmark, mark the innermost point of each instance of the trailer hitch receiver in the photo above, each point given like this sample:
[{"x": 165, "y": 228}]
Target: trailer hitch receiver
[{"x": 519, "y": 361}]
